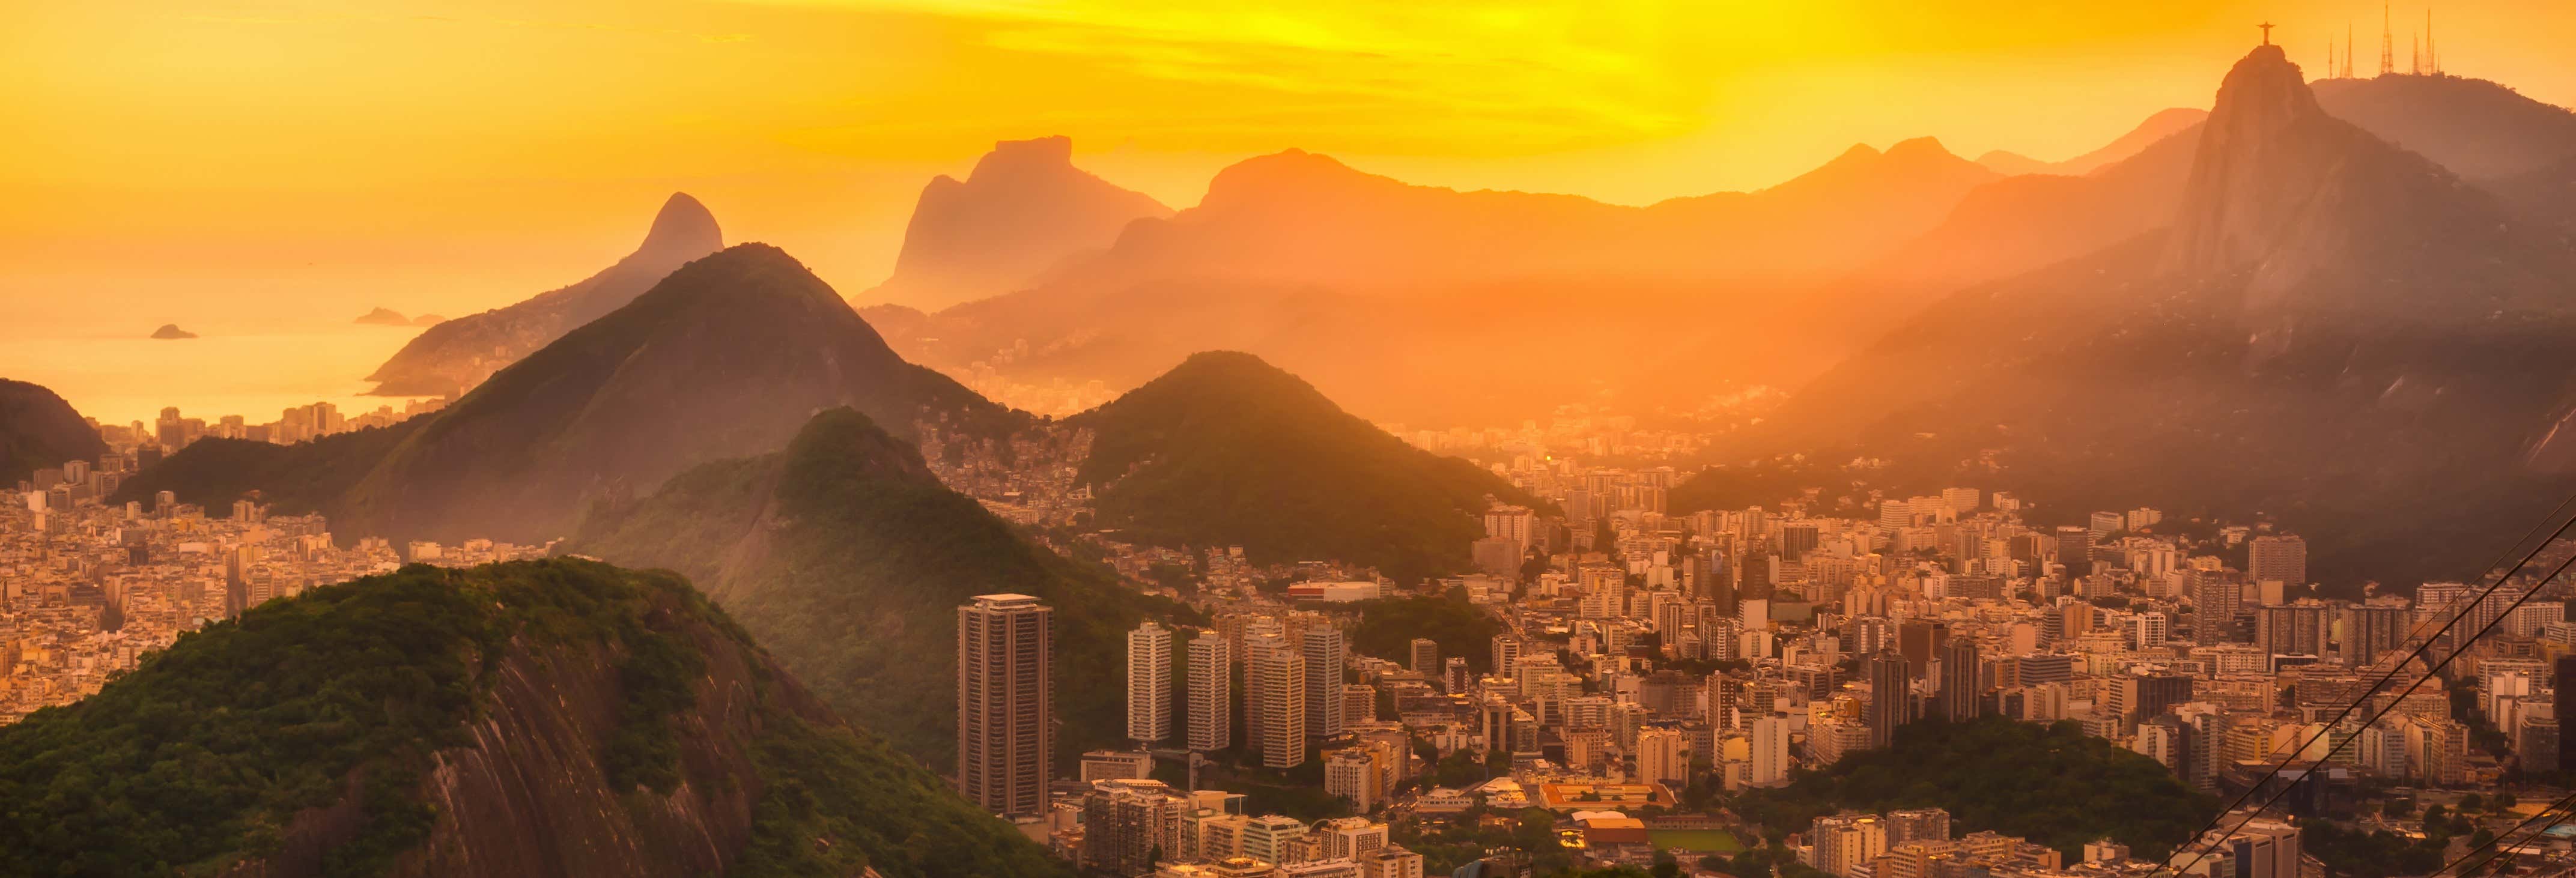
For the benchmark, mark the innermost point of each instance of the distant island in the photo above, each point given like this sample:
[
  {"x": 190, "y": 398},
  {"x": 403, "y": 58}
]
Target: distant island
[
  {"x": 172, "y": 330},
  {"x": 389, "y": 317}
]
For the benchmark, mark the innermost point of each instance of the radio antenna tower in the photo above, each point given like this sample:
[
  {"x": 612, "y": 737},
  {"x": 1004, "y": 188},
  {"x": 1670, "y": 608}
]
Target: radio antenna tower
[
  {"x": 2387, "y": 43},
  {"x": 2432, "y": 56},
  {"x": 2347, "y": 49}
]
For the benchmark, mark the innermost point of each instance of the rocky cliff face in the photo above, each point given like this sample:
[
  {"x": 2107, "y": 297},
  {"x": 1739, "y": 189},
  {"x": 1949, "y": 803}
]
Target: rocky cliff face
[
  {"x": 554, "y": 719},
  {"x": 2334, "y": 332},
  {"x": 526, "y": 792},
  {"x": 2329, "y": 224},
  {"x": 454, "y": 356}
]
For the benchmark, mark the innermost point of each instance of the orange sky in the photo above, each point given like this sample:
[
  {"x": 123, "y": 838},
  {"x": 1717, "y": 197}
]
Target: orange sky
[{"x": 255, "y": 162}]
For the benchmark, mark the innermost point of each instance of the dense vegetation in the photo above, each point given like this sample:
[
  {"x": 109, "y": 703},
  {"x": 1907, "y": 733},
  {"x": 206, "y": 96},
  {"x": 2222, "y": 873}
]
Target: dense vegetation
[
  {"x": 1447, "y": 845},
  {"x": 206, "y": 752},
  {"x": 1767, "y": 483},
  {"x": 39, "y": 429},
  {"x": 2372, "y": 853},
  {"x": 1387, "y": 628},
  {"x": 1227, "y": 450},
  {"x": 208, "y": 747},
  {"x": 203, "y": 752},
  {"x": 848, "y": 560},
  {"x": 839, "y": 802},
  {"x": 301, "y": 478},
  {"x": 2053, "y": 785}
]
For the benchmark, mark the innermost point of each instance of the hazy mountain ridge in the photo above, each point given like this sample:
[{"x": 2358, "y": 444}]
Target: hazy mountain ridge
[
  {"x": 1228, "y": 450},
  {"x": 555, "y": 718},
  {"x": 724, "y": 358},
  {"x": 2481, "y": 130},
  {"x": 848, "y": 559},
  {"x": 1299, "y": 218},
  {"x": 1430, "y": 278},
  {"x": 1379, "y": 290},
  {"x": 38, "y": 430},
  {"x": 2325, "y": 298},
  {"x": 2025, "y": 223},
  {"x": 1023, "y": 209},
  {"x": 453, "y": 356},
  {"x": 2158, "y": 127}
]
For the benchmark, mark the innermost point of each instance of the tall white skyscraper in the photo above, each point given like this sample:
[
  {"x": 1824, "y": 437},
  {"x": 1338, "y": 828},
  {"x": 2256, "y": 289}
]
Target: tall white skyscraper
[
  {"x": 1149, "y": 683},
  {"x": 1274, "y": 705},
  {"x": 1211, "y": 692},
  {"x": 1327, "y": 658},
  {"x": 1662, "y": 757},
  {"x": 1770, "y": 750}
]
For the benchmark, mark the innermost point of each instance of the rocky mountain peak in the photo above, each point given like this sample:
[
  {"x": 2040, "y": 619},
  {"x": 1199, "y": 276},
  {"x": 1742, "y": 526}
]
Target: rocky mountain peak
[{"x": 684, "y": 225}]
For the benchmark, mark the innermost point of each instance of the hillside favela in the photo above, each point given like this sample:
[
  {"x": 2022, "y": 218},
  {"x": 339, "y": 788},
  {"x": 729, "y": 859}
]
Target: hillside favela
[{"x": 1133, "y": 439}]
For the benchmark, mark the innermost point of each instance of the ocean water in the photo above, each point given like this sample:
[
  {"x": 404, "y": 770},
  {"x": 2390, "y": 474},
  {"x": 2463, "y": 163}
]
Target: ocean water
[{"x": 256, "y": 374}]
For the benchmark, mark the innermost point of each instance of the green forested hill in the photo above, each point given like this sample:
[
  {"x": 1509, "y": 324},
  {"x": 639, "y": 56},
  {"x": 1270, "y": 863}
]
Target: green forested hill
[
  {"x": 1228, "y": 450},
  {"x": 38, "y": 429},
  {"x": 2051, "y": 784},
  {"x": 848, "y": 560},
  {"x": 533, "y": 718}
]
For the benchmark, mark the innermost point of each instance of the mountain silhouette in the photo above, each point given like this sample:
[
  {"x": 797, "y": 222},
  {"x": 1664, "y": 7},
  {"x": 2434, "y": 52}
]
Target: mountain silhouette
[
  {"x": 2322, "y": 297},
  {"x": 2155, "y": 129},
  {"x": 1297, "y": 217},
  {"x": 382, "y": 317},
  {"x": 2329, "y": 222},
  {"x": 2472, "y": 128},
  {"x": 2480, "y": 130},
  {"x": 1227, "y": 450},
  {"x": 1385, "y": 294},
  {"x": 2520, "y": 149},
  {"x": 726, "y": 357},
  {"x": 1024, "y": 208},
  {"x": 2017, "y": 225},
  {"x": 39, "y": 430},
  {"x": 453, "y": 356}
]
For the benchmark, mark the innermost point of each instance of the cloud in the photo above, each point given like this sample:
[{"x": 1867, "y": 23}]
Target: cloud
[
  {"x": 468, "y": 21},
  {"x": 1531, "y": 72}
]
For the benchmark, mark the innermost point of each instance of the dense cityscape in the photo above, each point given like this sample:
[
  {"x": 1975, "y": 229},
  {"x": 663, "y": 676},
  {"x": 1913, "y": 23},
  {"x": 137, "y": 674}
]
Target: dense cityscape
[
  {"x": 1316, "y": 440},
  {"x": 1650, "y": 664},
  {"x": 87, "y": 588},
  {"x": 1648, "y": 676}
]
